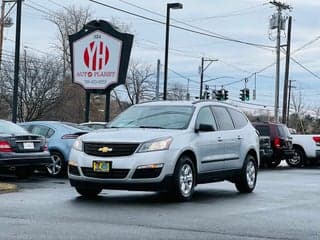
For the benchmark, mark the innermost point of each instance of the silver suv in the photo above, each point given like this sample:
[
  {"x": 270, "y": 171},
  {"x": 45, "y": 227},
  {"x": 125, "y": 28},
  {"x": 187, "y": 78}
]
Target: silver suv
[{"x": 167, "y": 146}]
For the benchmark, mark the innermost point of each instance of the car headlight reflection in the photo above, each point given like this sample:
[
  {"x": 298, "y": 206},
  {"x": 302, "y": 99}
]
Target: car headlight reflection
[
  {"x": 156, "y": 145},
  {"x": 77, "y": 145}
]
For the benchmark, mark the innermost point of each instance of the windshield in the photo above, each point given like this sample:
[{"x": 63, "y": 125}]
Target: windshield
[
  {"x": 167, "y": 117},
  {"x": 11, "y": 128}
]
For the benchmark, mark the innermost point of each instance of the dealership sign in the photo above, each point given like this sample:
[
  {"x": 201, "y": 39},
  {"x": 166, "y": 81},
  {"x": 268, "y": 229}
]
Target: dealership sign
[{"x": 100, "y": 56}]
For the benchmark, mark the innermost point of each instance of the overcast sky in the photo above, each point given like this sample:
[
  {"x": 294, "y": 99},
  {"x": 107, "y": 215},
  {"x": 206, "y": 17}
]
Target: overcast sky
[{"x": 245, "y": 20}]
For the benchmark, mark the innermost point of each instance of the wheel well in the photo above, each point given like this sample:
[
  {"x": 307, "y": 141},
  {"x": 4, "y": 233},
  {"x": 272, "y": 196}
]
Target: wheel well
[
  {"x": 254, "y": 154},
  {"x": 295, "y": 146},
  {"x": 59, "y": 152},
  {"x": 191, "y": 154}
]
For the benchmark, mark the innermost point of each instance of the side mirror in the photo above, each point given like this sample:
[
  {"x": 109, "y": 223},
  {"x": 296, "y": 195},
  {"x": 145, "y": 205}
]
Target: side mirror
[{"x": 205, "y": 128}]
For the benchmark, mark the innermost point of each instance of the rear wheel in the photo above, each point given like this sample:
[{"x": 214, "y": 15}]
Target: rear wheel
[
  {"x": 58, "y": 165},
  {"x": 298, "y": 158},
  {"x": 184, "y": 179},
  {"x": 88, "y": 192},
  {"x": 248, "y": 176}
]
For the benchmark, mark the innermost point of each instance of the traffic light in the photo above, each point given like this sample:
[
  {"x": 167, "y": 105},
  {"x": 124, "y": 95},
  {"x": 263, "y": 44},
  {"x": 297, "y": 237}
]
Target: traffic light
[
  {"x": 247, "y": 94},
  {"x": 225, "y": 97},
  {"x": 242, "y": 95},
  {"x": 219, "y": 95}
]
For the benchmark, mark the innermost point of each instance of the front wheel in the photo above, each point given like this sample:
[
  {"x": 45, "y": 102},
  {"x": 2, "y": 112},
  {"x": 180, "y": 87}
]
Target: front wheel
[
  {"x": 248, "y": 176},
  {"x": 88, "y": 192},
  {"x": 184, "y": 179}
]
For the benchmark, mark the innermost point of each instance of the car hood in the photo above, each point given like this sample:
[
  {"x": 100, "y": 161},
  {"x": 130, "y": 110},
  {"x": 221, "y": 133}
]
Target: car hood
[{"x": 128, "y": 135}]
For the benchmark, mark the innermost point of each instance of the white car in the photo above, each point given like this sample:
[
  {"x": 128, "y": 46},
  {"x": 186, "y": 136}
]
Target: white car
[{"x": 167, "y": 146}]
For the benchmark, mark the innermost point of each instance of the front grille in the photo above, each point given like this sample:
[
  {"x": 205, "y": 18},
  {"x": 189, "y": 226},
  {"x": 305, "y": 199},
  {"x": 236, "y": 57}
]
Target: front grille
[
  {"x": 111, "y": 149},
  {"x": 147, "y": 173},
  {"x": 113, "y": 174},
  {"x": 74, "y": 170}
]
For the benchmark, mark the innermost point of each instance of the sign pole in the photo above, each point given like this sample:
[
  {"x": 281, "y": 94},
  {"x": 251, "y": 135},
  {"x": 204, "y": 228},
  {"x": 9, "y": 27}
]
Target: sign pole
[
  {"x": 107, "y": 107},
  {"x": 87, "y": 111}
]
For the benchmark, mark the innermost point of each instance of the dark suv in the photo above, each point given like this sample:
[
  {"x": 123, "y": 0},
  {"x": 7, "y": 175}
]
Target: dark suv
[{"x": 275, "y": 143}]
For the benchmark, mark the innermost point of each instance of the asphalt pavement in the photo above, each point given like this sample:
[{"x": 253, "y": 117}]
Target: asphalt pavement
[{"x": 285, "y": 205}]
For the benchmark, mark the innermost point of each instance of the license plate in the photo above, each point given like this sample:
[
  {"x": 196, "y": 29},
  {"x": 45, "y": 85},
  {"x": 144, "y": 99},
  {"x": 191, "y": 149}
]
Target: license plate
[
  {"x": 28, "y": 145},
  {"x": 101, "y": 166}
]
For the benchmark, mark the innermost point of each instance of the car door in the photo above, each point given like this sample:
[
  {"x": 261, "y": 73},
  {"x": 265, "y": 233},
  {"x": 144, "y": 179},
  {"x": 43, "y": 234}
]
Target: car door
[
  {"x": 228, "y": 136},
  {"x": 209, "y": 146}
]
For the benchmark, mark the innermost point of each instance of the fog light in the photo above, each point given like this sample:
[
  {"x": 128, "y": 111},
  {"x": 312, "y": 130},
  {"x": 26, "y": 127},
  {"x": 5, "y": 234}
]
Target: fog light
[
  {"x": 152, "y": 166},
  {"x": 73, "y": 163}
]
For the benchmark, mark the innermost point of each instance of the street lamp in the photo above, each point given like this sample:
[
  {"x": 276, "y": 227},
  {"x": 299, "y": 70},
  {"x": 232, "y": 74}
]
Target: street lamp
[{"x": 169, "y": 6}]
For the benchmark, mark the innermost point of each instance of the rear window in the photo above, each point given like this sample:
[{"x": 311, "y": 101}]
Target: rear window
[
  {"x": 11, "y": 128},
  {"x": 263, "y": 130}
]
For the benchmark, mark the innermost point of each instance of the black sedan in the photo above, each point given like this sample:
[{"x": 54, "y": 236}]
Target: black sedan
[{"x": 21, "y": 150}]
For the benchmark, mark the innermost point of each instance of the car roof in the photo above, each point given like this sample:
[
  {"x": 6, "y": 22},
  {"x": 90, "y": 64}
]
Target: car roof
[{"x": 184, "y": 103}]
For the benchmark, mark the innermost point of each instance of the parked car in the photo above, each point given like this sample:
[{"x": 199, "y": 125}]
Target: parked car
[
  {"x": 95, "y": 125},
  {"x": 167, "y": 146},
  {"x": 60, "y": 137},
  {"x": 307, "y": 149},
  {"x": 281, "y": 142},
  {"x": 21, "y": 150}
]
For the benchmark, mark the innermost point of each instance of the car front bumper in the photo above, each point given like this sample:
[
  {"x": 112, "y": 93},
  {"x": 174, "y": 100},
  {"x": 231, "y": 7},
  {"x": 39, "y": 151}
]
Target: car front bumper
[{"x": 126, "y": 172}]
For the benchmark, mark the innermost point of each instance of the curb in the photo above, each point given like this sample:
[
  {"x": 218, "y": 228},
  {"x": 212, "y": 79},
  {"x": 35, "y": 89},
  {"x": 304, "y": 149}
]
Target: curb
[{"x": 6, "y": 188}]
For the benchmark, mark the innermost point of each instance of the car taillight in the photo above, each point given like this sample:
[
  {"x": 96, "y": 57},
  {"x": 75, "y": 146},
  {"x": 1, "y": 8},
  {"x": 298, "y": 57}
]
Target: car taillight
[
  {"x": 277, "y": 142},
  {"x": 69, "y": 136},
  {"x": 5, "y": 146},
  {"x": 317, "y": 140}
]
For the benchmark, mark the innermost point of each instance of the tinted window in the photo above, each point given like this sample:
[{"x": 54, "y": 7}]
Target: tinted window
[
  {"x": 263, "y": 130},
  {"x": 205, "y": 117},
  {"x": 223, "y": 118},
  {"x": 238, "y": 118}
]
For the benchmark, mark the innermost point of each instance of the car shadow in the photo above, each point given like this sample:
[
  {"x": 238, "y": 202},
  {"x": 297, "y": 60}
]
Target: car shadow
[{"x": 202, "y": 195}]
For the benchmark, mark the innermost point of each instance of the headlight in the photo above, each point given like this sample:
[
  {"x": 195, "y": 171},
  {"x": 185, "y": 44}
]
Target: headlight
[
  {"x": 156, "y": 145},
  {"x": 77, "y": 145}
]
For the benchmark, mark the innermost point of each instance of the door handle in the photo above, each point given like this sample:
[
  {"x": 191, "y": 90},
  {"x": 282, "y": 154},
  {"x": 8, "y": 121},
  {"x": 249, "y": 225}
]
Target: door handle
[
  {"x": 239, "y": 137},
  {"x": 220, "y": 139}
]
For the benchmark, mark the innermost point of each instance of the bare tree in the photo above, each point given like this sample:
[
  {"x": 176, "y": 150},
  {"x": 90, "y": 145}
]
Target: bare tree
[
  {"x": 177, "y": 92},
  {"x": 68, "y": 21},
  {"x": 139, "y": 83},
  {"x": 39, "y": 86}
]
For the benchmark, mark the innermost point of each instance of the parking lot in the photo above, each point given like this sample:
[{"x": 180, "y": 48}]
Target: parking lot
[{"x": 284, "y": 205}]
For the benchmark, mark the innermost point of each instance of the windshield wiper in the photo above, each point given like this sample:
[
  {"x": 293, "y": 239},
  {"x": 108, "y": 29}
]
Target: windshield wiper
[{"x": 151, "y": 127}]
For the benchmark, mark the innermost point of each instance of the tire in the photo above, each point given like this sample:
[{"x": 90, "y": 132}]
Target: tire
[
  {"x": 298, "y": 159},
  {"x": 58, "y": 166},
  {"x": 184, "y": 179},
  {"x": 88, "y": 192},
  {"x": 248, "y": 176},
  {"x": 273, "y": 163},
  {"x": 24, "y": 172}
]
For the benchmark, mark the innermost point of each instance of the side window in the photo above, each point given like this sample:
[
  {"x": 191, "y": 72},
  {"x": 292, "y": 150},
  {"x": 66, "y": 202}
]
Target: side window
[
  {"x": 40, "y": 130},
  {"x": 223, "y": 118},
  {"x": 238, "y": 118},
  {"x": 50, "y": 133},
  {"x": 205, "y": 117}
]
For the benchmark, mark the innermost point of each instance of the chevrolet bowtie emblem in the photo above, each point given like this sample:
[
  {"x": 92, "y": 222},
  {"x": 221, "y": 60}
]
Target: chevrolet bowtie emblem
[{"x": 105, "y": 149}]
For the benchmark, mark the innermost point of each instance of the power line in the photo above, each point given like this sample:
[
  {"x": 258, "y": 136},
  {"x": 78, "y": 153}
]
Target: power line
[{"x": 213, "y": 35}]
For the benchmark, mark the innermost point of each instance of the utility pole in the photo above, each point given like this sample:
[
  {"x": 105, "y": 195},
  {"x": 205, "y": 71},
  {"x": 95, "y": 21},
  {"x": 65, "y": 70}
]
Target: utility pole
[
  {"x": 202, "y": 69},
  {"x": 1, "y": 29},
  {"x": 286, "y": 77},
  {"x": 280, "y": 7},
  {"x": 16, "y": 63},
  {"x": 289, "y": 99},
  {"x": 158, "y": 80}
]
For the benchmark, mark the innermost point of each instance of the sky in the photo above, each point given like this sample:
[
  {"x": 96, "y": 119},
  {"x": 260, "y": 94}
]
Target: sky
[{"x": 244, "y": 20}]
